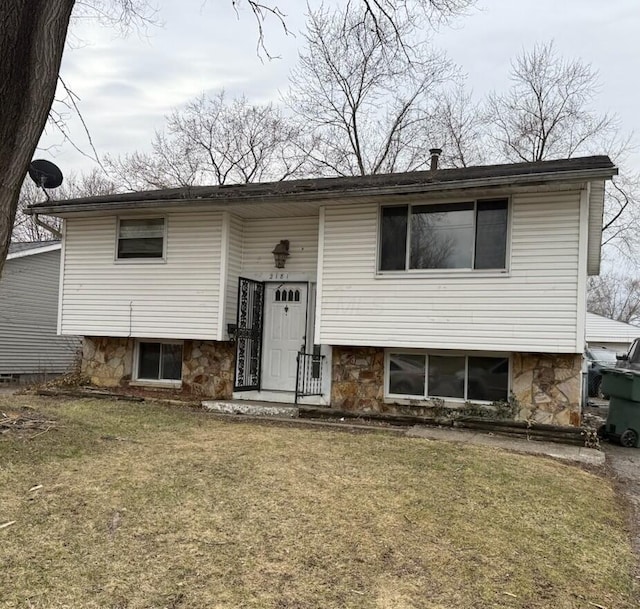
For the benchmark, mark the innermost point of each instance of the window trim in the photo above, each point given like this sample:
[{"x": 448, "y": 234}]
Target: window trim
[
  {"x": 165, "y": 234},
  {"x": 407, "y": 399},
  {"x": 462, "y": 272},
  {"x": 136, "y": 380}
]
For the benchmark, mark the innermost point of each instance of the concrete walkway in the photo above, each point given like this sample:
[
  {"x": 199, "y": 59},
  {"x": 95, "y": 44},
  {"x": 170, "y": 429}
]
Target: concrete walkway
[
  {"x": 258, "y": 411},
  {"x": 588, "y": 456},
  {"x": 267, "y": 410}
]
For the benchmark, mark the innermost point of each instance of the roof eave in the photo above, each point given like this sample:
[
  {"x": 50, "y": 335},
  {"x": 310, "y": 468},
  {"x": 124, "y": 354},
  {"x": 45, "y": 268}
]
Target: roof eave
[
  {"x": 328, "y": 195},
  {"x": 35, "y": 250}
]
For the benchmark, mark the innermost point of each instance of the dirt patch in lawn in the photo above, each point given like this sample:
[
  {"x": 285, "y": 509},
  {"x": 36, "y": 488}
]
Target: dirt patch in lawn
[{"x": 153, "y": 506}]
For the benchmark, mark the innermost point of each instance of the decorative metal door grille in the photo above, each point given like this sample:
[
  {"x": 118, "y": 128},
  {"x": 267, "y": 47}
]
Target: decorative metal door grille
[{"x": 249, "y": 334}]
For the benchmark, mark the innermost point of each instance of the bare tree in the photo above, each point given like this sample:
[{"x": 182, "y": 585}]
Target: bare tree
[
  {"x": 31, "y": 46},
  {"x": 459, "y": 128},
  {"x": 547, "y": 112},
  {"x": 431, "y": 13},
  {"x": 89, "y": 184},
  {"x": 24, "y": 228},
  {"x": 365, "y": 101},
  {"x": 615, "y": 296},
  {"x": 215, "y": 141}
]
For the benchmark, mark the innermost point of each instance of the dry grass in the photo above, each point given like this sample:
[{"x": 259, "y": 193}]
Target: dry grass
[{"x": 148, "y": 506}]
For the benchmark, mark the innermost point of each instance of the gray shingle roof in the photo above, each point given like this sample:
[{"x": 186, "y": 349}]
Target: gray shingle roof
[
  {"x": 23, "y": 246},
  {"x": 358, "y": 185}
]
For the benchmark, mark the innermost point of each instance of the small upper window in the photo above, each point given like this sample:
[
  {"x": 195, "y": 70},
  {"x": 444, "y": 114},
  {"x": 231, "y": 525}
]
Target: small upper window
[{"x": 141, "y": 238}]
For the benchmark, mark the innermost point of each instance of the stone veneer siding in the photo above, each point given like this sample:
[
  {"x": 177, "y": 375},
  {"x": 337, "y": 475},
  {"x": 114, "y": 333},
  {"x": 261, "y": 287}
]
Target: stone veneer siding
[
  {"x": 546, "y": 388},
  {"x": 107, "y": 362},
  {"x": 207, "y": 366},
  {"x": 357, "y": 379}
]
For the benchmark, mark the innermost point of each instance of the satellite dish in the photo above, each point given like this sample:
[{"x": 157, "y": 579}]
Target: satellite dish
[{"x": 45, "y": 174}]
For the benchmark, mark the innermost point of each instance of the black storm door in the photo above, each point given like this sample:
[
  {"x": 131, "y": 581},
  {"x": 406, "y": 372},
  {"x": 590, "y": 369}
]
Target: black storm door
[{"x": 249, "y": 334}]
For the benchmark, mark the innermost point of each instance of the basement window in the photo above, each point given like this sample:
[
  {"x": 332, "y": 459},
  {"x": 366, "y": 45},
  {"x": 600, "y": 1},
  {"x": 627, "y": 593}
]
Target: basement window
[
  {"x": 450, "y": 376},
  {"x": 141, "y": 238},
  {"x": 159, "y": 361}
]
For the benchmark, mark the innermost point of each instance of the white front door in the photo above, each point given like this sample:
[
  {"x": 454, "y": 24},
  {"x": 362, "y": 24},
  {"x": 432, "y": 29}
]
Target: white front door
[{"x": 285, "y": 320}]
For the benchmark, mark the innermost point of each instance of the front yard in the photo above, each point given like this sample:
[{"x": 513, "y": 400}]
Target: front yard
[{"x": 153, "y": 506}]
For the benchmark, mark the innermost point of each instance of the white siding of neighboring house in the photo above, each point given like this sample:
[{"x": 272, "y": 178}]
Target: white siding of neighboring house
[
  {"x": 176, "y": 299},
  {"x": 28, "y": 317},
  {"x": 615, "y": 335},
  {"x": 533, "y": 308}
]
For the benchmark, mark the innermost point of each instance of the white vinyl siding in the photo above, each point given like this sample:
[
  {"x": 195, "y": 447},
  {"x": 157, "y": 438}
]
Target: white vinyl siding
[
  {"x": 530, "y": 308},
  {"x": 262, "y": 235},
  {"x": 234, "y": 266},
  {"x": 28, "y": 317},
  {"x": 251, "y": 243},
  {"x": 596, "y": 212},
  {"x": 177, "y": 299}
]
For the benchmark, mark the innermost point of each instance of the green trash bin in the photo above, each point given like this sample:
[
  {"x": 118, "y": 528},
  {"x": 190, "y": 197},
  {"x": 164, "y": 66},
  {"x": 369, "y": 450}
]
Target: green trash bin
[{"x": 623, "y": 420}]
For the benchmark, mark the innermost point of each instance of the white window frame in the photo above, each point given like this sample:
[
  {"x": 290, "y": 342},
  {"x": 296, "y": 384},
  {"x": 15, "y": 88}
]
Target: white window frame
[
  {"x": 467, "y": 271},
  {"x": 177, "y": 383},
  {"x": 165, "y": 234},
  {"x": 405, "y": 398}
]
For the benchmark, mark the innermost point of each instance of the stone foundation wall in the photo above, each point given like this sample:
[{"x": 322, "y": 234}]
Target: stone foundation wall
[
  {"x": 107, "y": 362},
  {"x": 545, "y": 388},
  {"x": 207, "y": 366},
  {"x": 357, "y": 378}
]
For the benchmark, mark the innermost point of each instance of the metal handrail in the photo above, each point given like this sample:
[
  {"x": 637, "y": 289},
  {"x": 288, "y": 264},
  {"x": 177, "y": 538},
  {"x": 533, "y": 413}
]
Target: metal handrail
[{"x": 309, "y": 367}]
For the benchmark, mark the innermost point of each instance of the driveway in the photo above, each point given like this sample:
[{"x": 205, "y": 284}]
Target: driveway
[{"x": 625, "y": 462}]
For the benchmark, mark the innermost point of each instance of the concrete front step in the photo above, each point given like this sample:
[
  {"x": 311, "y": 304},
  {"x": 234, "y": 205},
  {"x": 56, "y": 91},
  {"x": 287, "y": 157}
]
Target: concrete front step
[{"x": 259, "y": 409}]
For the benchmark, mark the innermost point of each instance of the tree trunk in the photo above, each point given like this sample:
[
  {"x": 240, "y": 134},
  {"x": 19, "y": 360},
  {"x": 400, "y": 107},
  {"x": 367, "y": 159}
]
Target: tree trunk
[{"x": 32, "y": 41}]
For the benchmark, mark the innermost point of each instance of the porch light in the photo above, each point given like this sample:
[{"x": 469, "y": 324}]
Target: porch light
[{"x": 281, "y": 253}]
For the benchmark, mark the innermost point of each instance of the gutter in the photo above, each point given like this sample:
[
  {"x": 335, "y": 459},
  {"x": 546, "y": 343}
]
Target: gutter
[{"x": 326, "y": 195}]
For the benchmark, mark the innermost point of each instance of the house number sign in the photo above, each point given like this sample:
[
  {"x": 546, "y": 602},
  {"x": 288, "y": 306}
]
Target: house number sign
[{"x": 278, "y": 276}]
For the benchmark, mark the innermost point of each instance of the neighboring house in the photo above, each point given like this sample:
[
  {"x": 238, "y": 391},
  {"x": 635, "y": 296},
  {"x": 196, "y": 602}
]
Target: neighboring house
[
  {"x": 614, "y": 335},
  {"x": 30, "y": 348},
  {"x": 443, "y": 287}
]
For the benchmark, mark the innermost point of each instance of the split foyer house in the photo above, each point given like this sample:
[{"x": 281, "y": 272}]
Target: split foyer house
[{"x": 398, "y": 292}]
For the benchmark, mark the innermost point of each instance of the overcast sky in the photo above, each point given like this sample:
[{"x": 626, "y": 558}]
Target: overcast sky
[{"x": 127, "y": 85}]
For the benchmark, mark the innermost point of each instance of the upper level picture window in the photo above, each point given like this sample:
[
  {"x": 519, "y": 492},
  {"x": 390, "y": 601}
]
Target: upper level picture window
[
  {"x": 469, "y": 235},
  {"x": 141, "y": 238}
]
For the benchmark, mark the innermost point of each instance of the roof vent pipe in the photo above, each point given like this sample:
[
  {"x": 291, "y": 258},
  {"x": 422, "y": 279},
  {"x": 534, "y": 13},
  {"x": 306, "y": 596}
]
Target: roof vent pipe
[{"x": 435, "y": 157}]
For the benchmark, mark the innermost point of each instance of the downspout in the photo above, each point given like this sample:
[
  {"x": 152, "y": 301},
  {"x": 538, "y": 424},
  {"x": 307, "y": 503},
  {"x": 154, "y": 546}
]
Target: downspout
[{"x": 54, "y": 231}]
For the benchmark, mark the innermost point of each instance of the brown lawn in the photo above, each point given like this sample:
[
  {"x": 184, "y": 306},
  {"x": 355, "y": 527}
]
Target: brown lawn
[{"x": 153, "y": 506}]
